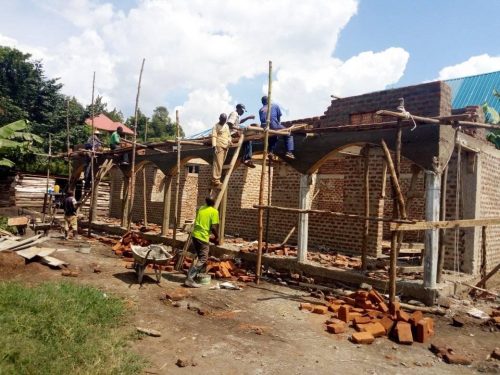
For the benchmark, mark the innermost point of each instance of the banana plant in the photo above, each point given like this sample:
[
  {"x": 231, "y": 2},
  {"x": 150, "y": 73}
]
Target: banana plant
[{"x": 14, "y": 138}]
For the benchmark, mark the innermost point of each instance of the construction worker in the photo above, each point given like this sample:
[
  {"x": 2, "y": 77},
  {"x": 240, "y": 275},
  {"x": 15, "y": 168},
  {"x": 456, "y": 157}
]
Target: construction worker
[
  {"x": 234, "y": 122},
  {"x": 70, "y": 219},
  {"x": 93, "y": 143},
  {"x": 115, "y": 143},
  {"x": 221, "y": 140},
  {"x": 275, "y": 124},
  {"x": 206, "y": 223}
]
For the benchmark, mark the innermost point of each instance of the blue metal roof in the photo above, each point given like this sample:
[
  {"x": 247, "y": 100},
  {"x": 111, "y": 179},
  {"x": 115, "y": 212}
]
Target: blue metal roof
[{"x": 475, "y": 90}]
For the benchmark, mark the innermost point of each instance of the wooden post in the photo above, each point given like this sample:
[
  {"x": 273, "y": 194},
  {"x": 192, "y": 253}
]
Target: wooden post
[
  {"x": 177, "y": 181},
  {"x": 167, "y": 196},
  {"x": 68, "y": 143},
  {"x": 442, "y": 232},
  {"x": 483, "y": 251},
  {"x": 393, "y": 267},
  {"x": 134, "y": 137},
  {"x": 45, "y": 203},
  {"x": 268, "y": 213},
  {"x": 258, "y": 269},
  {"x": 144, "y": 189},
  {"x": 92, "y": 157},
  {"x": 384, "y": 180},
  {"x": 125, "y": 201},
  {"x": 394, "y": 180},
  {"x": 222, "y": 224},
  {"x": 366, "y": 231},
  {"x": 229, "y": 172}
]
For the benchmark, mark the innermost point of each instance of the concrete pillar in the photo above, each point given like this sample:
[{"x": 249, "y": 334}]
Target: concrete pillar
[
  {"x": 431, "y": 238},
  {"x": 305, "y": 197},
  {"x": 167, "y": 197}
]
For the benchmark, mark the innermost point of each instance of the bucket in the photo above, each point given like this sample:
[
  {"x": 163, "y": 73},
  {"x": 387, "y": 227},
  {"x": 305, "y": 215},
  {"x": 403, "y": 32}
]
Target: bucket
[{"x": 203, "y": 279}]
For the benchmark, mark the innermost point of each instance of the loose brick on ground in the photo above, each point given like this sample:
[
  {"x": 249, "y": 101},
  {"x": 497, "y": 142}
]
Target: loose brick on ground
[
  {"x": 343, "y": 313},
  {"x": 305, "y": 306},
  {"x": 362, "y": 319},
  {"x": 376, "y": 329},
  {"x": 362, "y": 338},
  {"x": 416, "y": 317},
  {"x": 319, "y": 309},
  {"x": 336, "y": 327},
  {"x": 402, "y": 316},
  {"x": 403, "y": 333},
  {"x": 388, "y": 323}
]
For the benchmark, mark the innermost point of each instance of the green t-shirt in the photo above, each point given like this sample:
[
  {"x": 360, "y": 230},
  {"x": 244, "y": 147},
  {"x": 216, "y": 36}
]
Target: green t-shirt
[
  {"x": 115, "y": 139},
  {"x": 205, "y": 218}
]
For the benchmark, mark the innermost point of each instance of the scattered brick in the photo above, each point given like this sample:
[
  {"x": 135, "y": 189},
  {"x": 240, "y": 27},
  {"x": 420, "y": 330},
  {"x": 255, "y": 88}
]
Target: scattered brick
[
  {"x": 383, "y": 307},
  {"x": 403, "y": 333},
  {"x": 457, "y": 359},
  {"x": 343, "y": 313},
  {"x": 177, "y": 294},
  {"x": 362, "y": 338},
  {"x": 333, "y": 307},
  {"x": 402, "y": 316},
  {"x": 416, "y": 317},
  {"x": 424, "y": 330},
  {"x": 495, "y": 354},
  {"x": 336, "y": 327},
  {"x": 305, "y": 306},
  {"x": 376, "y": 329},
  {"x": 375, "y": 297},
  {"x": 394, "y": 308},
  {"x": 319, "y": 309},
  {"x": 362, "y": 319},
  {"x": 388, "y": 324}
]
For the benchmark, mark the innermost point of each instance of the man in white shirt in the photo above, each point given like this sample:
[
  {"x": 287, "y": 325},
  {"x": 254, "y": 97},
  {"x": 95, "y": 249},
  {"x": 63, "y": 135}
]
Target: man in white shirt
[
  {"x": 221, "y": 140},
  {"x": 234, "y": 123}
]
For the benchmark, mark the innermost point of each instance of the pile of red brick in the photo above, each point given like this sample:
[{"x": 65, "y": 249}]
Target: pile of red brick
[
  {"x": 226, "y": 269},
  {"x": 371, "y": 317},
  {"x": 122, "y": 247},
  {"x": 335, "y": 260}
]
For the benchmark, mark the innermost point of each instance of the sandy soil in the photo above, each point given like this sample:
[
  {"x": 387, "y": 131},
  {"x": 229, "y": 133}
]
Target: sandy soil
[{"x": 256, "y": 330}]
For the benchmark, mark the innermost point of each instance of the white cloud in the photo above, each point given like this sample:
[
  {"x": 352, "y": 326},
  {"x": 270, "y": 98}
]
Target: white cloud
[
  {"x": 474, "y": 65},
  {"x": 201, "y": 47}
]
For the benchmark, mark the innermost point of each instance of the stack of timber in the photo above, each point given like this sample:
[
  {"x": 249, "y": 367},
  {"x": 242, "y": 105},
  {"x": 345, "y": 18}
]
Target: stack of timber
[
  {"x": 102, "y": 206},
  {"x": 30, "y": 191},
  {"x": 7, "y": 191}
]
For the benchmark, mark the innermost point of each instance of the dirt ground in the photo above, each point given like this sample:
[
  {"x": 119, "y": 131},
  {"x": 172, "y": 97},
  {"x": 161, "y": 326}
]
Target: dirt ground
[{"x": 256, "y": 330}]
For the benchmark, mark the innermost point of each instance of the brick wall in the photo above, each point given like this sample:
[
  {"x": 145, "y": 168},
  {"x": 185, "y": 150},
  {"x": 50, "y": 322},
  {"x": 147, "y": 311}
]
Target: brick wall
[{"x": 428, "y": 99}]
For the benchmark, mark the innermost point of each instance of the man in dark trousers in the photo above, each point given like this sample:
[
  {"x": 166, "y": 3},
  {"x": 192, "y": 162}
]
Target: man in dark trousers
[
  {"x": 206, "y": 223},
  {"x": 115, "y": 143},
  {"x": 275, "y": 124},
  {"x": 70, "y": 219}
]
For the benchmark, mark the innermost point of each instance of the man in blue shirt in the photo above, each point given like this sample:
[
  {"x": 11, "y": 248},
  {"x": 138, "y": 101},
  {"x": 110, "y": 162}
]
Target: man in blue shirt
[{"x": 275, "y": 124}]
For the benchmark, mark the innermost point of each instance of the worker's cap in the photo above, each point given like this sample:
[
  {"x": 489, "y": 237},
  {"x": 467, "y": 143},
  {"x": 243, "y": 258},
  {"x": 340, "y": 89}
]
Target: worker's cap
[
  {"x": 97, "y": 131},
  {"x": 241, "y": 106}
]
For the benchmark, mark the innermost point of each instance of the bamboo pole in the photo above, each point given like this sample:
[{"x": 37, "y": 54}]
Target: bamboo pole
[
  {"x": 442, "y": 232},
  {"x": 132, "y": 182},
  {"x": 45, "y": 202},
  {"x": 338, "y": 214},
  {"x": 144, "y": 195},
  {"x": 366, "y": 231},
  {"x": 67, "y": 142},
  {"x": 258, "y": 269},
  {"x": 268, "y": 213},
  {"x": 483, "y": 251},
  {"x": 92, "y": 156},
  {"x": 394, "y": 179},
  {"x": 430, "y": 120},
  {"x": 177, "y": 181},
  {"x": 167, "y": 197},
  {"x": 229, "y": 172},
  {"x": 482, "y": 282}
]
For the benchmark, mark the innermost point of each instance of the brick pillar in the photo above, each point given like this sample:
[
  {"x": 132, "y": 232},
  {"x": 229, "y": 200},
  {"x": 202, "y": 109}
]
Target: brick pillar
[
  {"x": 306, "y": 188},
  {"x": 431, "y": 237}
]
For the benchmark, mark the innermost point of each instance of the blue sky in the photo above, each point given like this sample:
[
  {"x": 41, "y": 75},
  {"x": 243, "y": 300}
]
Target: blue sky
[{"x": 203, "y": 57}]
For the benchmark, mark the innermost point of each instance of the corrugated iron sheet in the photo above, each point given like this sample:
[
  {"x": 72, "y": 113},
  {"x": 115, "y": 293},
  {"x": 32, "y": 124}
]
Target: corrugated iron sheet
[{"x": 475, "y": 90}]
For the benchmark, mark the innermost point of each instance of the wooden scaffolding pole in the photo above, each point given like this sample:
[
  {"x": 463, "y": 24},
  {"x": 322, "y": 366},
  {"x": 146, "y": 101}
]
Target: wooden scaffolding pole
[
  {"x": 177, "y": 181},
  {"x": 144, "y": 190},
  {"x": 258, "y": 269},
  {"x": 229, "y": 172},
  {"x": 68, "y": 143},
  {"x": 366, "y": 232},
  {"x": 92, "y": 157},
  {"x": 167, "y": 197},
  {"x": 132, "y": 177}
]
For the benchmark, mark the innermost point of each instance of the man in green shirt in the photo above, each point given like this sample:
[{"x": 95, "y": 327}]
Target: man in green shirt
[
  {"x": 115, "y": 141},
  {"x": 206, "y": 222}
]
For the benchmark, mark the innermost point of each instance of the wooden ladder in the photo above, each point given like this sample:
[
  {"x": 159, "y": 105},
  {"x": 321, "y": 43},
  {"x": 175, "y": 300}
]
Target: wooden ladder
[{"x": 101, "y": 172}]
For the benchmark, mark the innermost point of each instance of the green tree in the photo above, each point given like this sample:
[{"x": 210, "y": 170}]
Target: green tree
[
  {"x": 115, "y": 115},
  {"x": 142, "y": 124},
  {"x": 16, "y": 143}
]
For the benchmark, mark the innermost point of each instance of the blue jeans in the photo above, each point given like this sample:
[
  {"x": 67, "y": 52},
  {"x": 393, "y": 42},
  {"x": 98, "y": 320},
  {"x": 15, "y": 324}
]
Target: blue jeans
[
  {"x": 273, "y": 141},
  {"x": 247, "y": 150}
]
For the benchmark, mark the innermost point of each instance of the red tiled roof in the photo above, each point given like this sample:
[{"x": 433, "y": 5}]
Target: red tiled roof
[{"x": 103, "y": 122}]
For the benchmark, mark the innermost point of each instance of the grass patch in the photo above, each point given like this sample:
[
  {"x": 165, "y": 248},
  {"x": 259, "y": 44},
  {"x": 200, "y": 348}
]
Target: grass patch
[{"x": 63, "y": 328}]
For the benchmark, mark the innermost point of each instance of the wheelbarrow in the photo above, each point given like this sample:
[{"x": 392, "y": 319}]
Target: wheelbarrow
[{"x": 156, "y": 255}]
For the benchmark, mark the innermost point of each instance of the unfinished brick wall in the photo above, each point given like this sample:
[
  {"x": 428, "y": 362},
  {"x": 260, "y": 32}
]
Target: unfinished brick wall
[
  {"x": 489, "y": 198},
  {"x": 428, "y": 99},
  {"x": 188, "y": 190}
]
